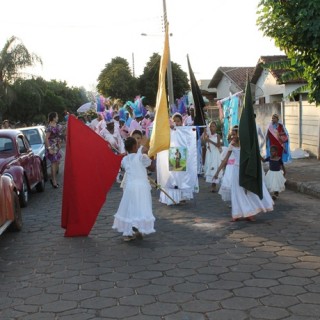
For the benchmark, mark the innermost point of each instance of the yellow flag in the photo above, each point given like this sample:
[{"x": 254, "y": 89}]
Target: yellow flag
[{"x": 160, "y": 136}]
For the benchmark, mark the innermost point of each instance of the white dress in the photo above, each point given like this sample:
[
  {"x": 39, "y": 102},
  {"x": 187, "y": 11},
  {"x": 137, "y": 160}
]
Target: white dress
[
  {"x": 226, "y": 181},
  {"x": 213, "y": 158},
  {"x": 246, "y": 204},
  {"x": 135, "y": 209},
  {"x": 275, "y": 180}
]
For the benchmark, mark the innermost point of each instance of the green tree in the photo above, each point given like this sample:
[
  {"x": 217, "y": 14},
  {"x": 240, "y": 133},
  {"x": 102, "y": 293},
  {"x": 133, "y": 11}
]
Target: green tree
[
  {"x": 148, "y": 81},
  {"x": 180, "y": 81},
  {"x": 34, "y": 99},
  {"x": 295, "y": 27},
  {"x": 116, "y": 80},
  {"x": 14, "y": 57}
]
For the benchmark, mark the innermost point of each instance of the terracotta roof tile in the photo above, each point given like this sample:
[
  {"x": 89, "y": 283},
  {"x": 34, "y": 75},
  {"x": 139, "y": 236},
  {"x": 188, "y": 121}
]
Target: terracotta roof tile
[
  {"x": 238, "y": 75},
  {"x": 277, "y": 73}
]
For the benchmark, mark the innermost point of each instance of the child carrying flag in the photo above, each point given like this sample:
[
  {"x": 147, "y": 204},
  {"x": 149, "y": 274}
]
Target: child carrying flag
[{"x": 134, "y": 216}]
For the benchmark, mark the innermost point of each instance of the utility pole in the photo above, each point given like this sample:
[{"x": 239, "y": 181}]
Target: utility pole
[
  {"x": 133, "y": 71},
  {"x": 169, "y": 69}
]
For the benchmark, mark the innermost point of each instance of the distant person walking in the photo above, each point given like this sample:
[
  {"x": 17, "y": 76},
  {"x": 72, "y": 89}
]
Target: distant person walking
[
  {"x": 5, "y": 124},
  {"x": 278, "y": 136},
  {"x": 213, "y": 158},
  {"x": 53, "y": 146}
]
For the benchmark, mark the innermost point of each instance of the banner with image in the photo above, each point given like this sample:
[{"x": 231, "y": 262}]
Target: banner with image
[{"x": 177, "y": 166}]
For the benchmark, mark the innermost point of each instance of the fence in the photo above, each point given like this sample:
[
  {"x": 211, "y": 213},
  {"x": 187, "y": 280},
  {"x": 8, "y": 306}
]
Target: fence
[{"x": 301, "y": 119}]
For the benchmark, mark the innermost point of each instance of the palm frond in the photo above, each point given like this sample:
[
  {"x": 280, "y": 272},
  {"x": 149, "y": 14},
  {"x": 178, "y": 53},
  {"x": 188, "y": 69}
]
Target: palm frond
[
  {"x": 292, "y": 75},
  {"x": 278, "y": 65},
  {"x": 303, "y": 89}
]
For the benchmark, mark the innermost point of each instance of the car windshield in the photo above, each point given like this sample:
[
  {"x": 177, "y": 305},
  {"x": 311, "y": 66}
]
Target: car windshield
[
  {"x": 6, "y": 145},
  {"x": 32, "y": 136}
]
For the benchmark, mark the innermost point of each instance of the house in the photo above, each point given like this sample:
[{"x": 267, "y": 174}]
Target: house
[
  {"x": 271, "y": 95},
  {"x": 210, "y": 94},
  {"x": 269, "y": 87},
  {"x": 230, "y": 80}
]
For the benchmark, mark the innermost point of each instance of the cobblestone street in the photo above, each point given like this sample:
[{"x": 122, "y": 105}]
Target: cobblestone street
[{"x": 198, "y": 265}]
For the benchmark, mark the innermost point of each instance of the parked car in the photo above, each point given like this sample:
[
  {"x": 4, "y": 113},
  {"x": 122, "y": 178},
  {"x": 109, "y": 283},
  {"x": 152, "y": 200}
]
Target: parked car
[
  {"x": 37, "y": 136},
  {"x": 10, "y": 211},
  {"x": 18, "y": 160}
]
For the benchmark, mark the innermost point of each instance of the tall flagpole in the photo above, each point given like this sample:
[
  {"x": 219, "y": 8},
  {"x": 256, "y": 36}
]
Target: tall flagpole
[{"x": 169, "y": 69}]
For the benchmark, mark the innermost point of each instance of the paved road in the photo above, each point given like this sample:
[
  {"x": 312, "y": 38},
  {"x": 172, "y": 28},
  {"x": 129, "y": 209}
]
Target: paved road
[{"x": 198, "y": 265}]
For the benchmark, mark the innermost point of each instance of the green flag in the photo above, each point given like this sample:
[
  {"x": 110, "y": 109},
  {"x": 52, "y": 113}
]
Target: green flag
[
  {"x": 250, "y": 176},
  {"x": 199, "y": 118}
]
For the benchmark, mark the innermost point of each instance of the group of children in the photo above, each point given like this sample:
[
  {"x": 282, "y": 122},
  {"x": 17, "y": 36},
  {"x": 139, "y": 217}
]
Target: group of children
[{"x": 134, "y": 217}]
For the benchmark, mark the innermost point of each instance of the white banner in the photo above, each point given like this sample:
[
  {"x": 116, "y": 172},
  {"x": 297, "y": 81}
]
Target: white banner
[{"x": 177, "y": 167}]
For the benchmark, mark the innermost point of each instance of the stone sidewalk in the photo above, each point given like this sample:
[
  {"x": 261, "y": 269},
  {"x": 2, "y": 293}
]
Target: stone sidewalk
[{"x": 303, "y": 175}]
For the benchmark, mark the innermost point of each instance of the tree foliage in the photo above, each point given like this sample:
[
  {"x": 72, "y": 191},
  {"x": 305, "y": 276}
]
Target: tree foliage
[
  {"x": 116, "y": 80},
  {"x": 295, "y": 27},
  {"x": 148, "y": 81},
  {"x": 34, "y": 99},
  {"x": 14, "y": 57}
]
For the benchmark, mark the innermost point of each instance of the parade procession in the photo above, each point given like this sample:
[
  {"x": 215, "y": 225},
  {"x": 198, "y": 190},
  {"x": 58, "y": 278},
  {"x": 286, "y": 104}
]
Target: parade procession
[{"x": 160, "y": 171}]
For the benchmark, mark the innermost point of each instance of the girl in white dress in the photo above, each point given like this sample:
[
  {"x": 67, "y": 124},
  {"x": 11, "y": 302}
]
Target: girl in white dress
[
  {"x": 226, "y": 180},
  {"x": 213, "y": 158},
  {"x": 137, "y": 134},
  {"x": 134, "y": 216},
  {"x": 275, "y": 180},
  {"x": 244, "y": 203}
]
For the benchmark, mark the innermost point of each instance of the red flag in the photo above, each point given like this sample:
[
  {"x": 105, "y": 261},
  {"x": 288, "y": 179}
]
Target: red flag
[{"x": 90, "y": 170}]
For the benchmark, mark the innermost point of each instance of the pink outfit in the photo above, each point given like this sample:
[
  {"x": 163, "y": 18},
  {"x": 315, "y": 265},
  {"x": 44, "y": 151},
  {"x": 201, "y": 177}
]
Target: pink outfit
[{"x": 134, "y": 125}]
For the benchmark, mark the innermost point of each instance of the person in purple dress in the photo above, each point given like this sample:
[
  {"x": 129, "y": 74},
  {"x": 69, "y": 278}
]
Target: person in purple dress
[{"x": 53, "y": 146}]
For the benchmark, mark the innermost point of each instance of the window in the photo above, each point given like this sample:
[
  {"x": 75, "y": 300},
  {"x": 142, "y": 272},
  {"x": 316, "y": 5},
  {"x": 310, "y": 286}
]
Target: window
[
  {"x": 22, "y": 147},
  {"x": 6, "y": 144}
]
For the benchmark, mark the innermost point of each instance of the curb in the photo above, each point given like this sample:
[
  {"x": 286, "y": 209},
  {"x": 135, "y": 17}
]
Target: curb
[{"x": 310, "y": 188}]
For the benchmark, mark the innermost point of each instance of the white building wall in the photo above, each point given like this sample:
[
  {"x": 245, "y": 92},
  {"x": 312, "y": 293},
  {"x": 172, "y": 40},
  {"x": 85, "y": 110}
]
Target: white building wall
[
  {"x": 268, "y": 88},
  {"x": 203, "y": 85},
  {"x": 223, "y": 89},
  {"x": 290, "y": 88}
]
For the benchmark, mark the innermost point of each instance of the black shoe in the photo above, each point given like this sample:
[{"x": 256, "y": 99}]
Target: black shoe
[{"x": 137, "y": 233}]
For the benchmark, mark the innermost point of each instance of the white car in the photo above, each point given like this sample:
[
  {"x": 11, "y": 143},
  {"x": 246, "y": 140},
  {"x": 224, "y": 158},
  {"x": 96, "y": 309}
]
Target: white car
[{"x": 36, "y": 136}]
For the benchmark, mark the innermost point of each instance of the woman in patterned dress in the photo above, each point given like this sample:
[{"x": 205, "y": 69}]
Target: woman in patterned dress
[{"x": 53, "y": 146}]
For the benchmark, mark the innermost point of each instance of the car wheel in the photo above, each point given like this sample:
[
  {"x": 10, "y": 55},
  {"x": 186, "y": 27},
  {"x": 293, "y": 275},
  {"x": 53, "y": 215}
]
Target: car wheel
[
  {"x": 41, "y": 185},
  {"x": 45, "y": 169},
  {"x": 24, "y": 194},
  {"x": 16, "y": 225}
]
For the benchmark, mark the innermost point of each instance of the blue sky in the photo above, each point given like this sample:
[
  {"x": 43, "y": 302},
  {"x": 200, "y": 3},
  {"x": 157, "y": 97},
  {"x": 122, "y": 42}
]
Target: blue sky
[{"x": 76, "y": 39}]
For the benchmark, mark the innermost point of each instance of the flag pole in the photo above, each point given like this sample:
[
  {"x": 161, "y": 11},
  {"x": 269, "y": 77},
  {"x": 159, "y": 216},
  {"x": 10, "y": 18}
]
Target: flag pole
[
  {"x": 169, "y": 68},
  {"x": 157, "y": 186}
]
